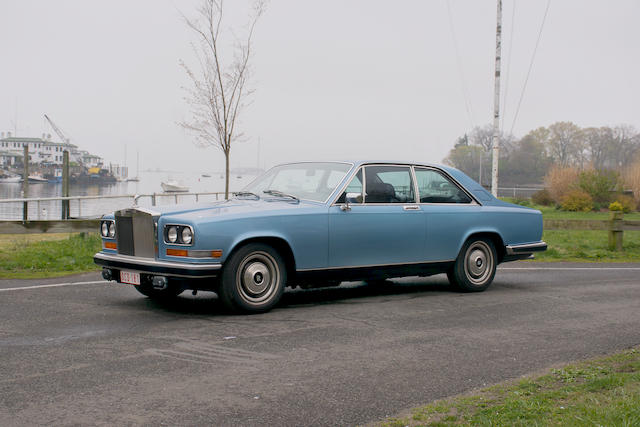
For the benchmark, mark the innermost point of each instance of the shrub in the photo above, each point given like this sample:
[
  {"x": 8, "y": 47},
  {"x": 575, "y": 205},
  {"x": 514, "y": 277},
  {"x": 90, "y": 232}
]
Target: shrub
[
  {"x": 627, "y": 202},
  {"x": 632, "y": 179},
  {"x": 542, "y": 197},
  {"x": 599, "y": 184},
  {"x": 615, "y": 207},
  {"x": 577, "y": 201},
  {"x": 559, "y": 181}
]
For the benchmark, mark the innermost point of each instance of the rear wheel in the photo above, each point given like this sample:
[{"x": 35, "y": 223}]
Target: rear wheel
[
  {"x": 253, "y": 279},
  {"x": 475, "y": 266}
]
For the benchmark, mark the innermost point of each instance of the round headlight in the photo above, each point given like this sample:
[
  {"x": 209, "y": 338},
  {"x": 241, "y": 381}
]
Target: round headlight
[
  {"x": 172, "y": 234},
  {"x": 105, "y": 229},
  {"x": 187, "y": 235},
  {"x": 112, "y": 229}
]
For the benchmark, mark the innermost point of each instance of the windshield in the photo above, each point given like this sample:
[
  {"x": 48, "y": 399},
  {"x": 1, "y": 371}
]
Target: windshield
[{"x": 309, "y": 181}]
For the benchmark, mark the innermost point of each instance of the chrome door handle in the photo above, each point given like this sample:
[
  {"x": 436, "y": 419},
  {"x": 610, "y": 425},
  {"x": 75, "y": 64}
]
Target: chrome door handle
[{"x": 411, "y": 208}]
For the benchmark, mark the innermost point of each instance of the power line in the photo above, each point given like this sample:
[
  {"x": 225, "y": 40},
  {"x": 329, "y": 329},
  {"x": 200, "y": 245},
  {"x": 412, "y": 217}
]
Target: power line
[
  {"x": 535, "y": 49},
  {"x": 465, "y": 92}
]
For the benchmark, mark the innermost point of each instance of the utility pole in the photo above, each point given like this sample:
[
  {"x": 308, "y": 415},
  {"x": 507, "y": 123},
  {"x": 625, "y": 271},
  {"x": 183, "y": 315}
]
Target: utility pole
[{"x": 496, "y": 106}]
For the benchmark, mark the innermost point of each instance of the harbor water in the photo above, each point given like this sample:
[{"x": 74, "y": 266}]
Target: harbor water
[{"x": 149, "y": 183}]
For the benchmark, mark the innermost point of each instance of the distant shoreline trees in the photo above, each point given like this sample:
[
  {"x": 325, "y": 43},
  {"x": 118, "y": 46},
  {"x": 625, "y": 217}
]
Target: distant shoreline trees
[
  {"x": 528, "y": 160},
  {"x": 581, "y": 168}
]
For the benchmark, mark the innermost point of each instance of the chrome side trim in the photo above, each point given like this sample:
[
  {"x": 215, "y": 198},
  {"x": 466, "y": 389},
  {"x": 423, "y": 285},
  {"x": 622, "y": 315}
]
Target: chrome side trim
[
  {"x": 526, "y": 248},
  {"x": 152, "y": 266},
  {"x": 375, "y": 265}
]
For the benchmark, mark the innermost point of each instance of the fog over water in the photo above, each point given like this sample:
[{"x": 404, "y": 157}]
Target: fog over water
[
  {"x": 332, "y": 79},
  {"x": 149, "y": 184}
]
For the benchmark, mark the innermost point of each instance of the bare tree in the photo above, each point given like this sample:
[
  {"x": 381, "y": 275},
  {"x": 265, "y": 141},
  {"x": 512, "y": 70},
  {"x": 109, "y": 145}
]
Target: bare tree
[
  {"x": 566, "y": 143},
  {"x": 218, "y": 92}
]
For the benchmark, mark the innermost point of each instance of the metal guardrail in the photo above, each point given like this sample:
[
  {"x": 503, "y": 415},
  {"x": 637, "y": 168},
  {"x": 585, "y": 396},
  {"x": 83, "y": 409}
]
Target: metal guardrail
[{"x": 23, "y": 205}]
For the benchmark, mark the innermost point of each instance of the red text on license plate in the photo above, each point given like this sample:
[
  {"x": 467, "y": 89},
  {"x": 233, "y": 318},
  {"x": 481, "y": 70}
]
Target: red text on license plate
[{"x": 130, "y": 277}]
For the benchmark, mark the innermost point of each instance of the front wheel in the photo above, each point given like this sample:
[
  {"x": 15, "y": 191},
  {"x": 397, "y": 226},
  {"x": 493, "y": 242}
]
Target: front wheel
[
  {"x": 253, "y": 279},
  {"x": 475, "y": 266}
]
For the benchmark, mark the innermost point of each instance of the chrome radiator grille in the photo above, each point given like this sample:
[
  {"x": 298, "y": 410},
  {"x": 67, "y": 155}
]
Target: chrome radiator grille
[{"x": 135, "y": 233}]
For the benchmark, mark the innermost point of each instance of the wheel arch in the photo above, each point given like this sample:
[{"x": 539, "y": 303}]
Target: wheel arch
[
  {"x": 495, "y": 238},
  {"x": 280, "y": 244}
]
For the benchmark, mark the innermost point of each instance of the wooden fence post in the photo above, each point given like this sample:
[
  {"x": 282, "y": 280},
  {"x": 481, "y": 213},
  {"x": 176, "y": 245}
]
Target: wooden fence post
[
  {"x": 25, "y": 183},
  {"x": 65, "y": 185},
  {"x": 615, "y": 231}
]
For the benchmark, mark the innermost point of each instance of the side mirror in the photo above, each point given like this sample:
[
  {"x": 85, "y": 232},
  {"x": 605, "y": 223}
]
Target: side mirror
[{"x": 351, "y": 198}]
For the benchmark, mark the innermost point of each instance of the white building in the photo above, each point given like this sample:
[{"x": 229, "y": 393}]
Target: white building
[{"x": 46, "y": 152}]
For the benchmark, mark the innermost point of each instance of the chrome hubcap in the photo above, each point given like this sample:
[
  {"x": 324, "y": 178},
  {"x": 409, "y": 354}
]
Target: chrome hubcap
[
  {"x": 257, "y": 277},
  {"x": 478, "y": 264}
]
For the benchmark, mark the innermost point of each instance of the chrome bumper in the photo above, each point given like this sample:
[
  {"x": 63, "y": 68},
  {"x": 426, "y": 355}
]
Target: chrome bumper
[
  {"x": 527, "y": 248},
  {"x": 152, "y": 266}
]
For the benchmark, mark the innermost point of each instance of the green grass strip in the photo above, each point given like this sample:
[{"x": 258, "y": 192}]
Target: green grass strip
[
  {"x": 599, "y": 392},
  {"x": 24, "y": 259}
]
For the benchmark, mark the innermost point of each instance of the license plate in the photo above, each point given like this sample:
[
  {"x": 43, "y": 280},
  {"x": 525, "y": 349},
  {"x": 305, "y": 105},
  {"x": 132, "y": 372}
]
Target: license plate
[{"x": 130, "y": 277}]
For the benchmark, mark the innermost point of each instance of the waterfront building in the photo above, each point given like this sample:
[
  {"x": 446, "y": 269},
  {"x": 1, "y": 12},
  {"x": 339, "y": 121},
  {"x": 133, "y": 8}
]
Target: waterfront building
[{"x": 43, "y": 151}]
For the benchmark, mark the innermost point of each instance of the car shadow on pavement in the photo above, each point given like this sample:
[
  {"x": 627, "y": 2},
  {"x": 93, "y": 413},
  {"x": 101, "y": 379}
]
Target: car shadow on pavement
[{"x": 207, "y": 303}]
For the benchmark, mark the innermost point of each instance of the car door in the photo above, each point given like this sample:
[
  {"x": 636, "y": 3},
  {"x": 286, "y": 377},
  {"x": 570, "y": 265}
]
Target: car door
[
  {"x": 450, "y": 213},
  {"x": 384, "y": 227}
]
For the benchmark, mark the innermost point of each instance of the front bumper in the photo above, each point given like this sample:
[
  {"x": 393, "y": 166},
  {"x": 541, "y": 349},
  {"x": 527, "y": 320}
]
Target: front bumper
[{"x": 156, "y": 267}]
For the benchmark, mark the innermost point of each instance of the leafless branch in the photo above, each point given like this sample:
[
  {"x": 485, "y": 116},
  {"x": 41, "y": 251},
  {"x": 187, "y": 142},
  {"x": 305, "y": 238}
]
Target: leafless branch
[{"x": 217, "y": 93}]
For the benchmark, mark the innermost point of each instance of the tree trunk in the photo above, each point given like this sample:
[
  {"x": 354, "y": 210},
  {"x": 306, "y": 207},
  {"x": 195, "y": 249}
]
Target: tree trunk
[{"x": 226, "y": 176}]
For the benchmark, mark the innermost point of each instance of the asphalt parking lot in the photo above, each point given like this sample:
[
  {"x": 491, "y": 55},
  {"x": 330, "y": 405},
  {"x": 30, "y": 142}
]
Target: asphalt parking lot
[{"x": 82, "y": 351}]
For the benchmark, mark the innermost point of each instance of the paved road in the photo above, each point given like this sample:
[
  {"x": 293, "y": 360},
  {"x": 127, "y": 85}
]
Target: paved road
[{"x": 99, "y": 353}]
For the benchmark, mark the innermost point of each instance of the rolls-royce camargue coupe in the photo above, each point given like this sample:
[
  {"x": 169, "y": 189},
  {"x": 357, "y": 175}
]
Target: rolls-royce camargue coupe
[{"x": 315, "y": 224}]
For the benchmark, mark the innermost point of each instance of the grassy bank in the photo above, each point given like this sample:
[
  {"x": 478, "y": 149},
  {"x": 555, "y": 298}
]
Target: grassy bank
[
  {"x": 603, "y": 391},
  {"x": 28, "y": 256},
  {"x": 588, "y": 246},
  {"x": 584, "y": 245}
]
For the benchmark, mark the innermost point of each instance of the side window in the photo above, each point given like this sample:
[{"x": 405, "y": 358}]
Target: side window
[
  {"x": 436, "y": 188},
  {"x": 388, "y": 184},
  {"x": 355, "y": 186}
]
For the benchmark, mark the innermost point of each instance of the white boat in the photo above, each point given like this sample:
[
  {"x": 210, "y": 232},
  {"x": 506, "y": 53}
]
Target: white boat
[
  {"x": 9, "y": 179},
  {"x": 36, "y": 179},
  {"x": 173, "y": 187}
]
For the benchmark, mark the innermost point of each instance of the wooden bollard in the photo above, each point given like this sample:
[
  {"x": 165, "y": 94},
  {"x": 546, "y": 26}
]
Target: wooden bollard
[{"x": 615, "y": 231}]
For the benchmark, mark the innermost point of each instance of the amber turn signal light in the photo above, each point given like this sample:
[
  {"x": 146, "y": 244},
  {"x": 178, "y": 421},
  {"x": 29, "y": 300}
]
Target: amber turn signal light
[
  {"x": 177, "y": 252},
  {"x": 110, "y": 245}
]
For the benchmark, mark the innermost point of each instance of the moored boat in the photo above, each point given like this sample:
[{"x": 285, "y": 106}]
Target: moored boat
[{"x": 173, "y": 187}]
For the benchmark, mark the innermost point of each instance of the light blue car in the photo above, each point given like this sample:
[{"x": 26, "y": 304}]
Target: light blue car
[{"x": 315, "y": 224}]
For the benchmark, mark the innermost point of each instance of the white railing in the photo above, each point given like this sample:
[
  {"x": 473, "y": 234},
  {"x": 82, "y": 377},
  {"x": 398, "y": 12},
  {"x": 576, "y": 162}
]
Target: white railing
[{"x": 38, "y": 208}]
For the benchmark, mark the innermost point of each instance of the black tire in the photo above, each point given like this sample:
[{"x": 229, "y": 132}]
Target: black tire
[
  {"x": 475, "y": 266},
  {"x": 253, "y": 279},
  {"x": 158, "y": 294}
]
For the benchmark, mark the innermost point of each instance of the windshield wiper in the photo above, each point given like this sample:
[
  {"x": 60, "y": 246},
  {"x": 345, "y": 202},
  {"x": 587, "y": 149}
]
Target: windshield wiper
[
  {"x": 280, "y": 194},
  {"x": 246, "y": 193}
]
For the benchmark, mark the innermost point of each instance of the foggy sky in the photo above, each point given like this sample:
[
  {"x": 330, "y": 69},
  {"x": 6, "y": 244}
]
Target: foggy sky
[{"x": 333, "y": 79}]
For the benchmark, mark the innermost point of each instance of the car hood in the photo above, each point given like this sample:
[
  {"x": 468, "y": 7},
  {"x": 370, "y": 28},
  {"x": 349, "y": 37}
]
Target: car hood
[{"x": 232, "y": 207}]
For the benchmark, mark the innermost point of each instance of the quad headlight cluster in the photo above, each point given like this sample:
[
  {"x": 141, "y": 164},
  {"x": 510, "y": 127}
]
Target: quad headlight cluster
[
  {"x": 108, "y": 229},
  {"x": 178, "y": 234}
]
